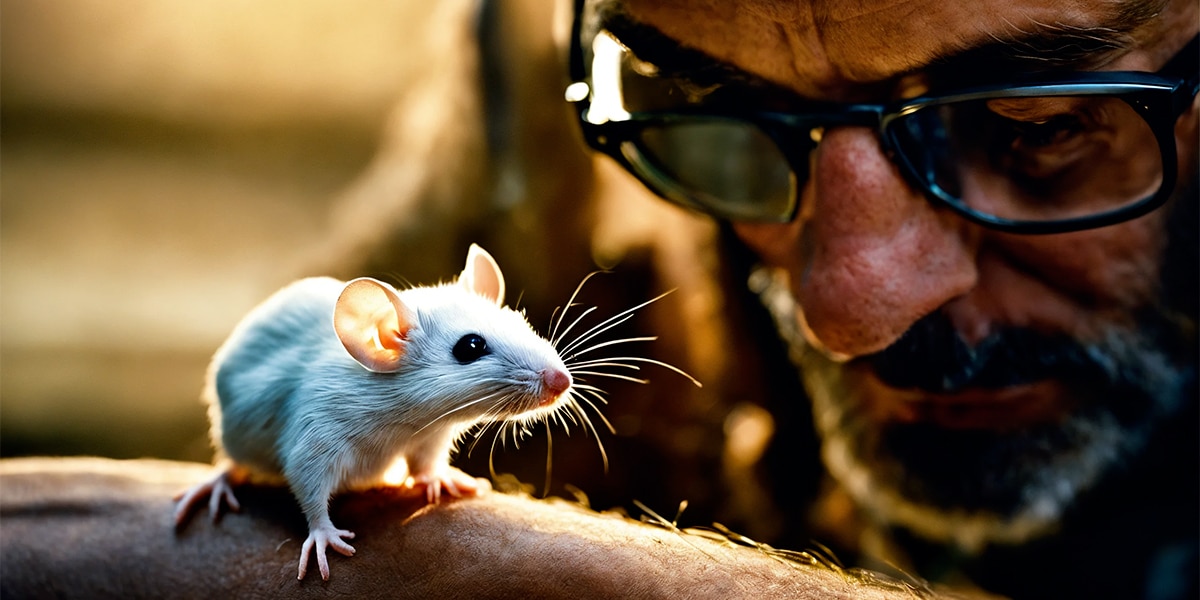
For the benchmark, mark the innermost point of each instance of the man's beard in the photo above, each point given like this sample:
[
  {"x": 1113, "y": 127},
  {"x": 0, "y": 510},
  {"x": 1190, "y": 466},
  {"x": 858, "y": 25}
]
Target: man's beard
[{"x": 971, "y": 487}]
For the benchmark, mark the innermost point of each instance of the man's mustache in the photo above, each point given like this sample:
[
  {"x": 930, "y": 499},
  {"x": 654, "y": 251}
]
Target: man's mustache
[{"x": 932, "y": 357}]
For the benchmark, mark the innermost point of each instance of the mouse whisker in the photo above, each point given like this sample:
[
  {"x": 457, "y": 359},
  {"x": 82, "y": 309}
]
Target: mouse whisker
[
  {"x": 555, "y": 319},
  {"x": 549, "y": 460},
  {"x": 596, "y": 392},
  {"x": 555, "y": 342},
  {"x": 613, "y": 321},
  {"x": 514, "y": 429},
  {"x": 660, "y": 363},
  {"x": 454, "y": 410},
  {"x": 558, "y": 318},
  {"x": 495, "y": 412},
  {"x": 591, "y": 426},
  {"x": 600, "y": 362},
  {"x": 488, "y": 423},
  {"x": 492, "y": 451},
  {"x": 501, "y": 436},
  {"x": 593, "y": 332},
  {"x": 477, "y": 435},
  {"x": 554, "y": 336},
  {"x": 576, "y": 412},
  {"x": 494, "y": 417},
  {"x": 570, "y": 411},
  {"x": 578, "y": 385},
  {"x": 563, "y": 419},
  {"x": 612, "y": 375},
  {"x": 563, "y": 416},
  {"x": 585, "y": 400},
  {"x": 648, "y": 338}
]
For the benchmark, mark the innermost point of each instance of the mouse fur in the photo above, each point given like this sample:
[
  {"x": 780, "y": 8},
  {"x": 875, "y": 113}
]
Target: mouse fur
[{"x": 327, "y": 383}]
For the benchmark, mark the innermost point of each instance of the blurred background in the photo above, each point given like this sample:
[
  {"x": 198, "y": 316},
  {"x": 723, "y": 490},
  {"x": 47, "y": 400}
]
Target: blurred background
[{"x": 163, "y": 167}]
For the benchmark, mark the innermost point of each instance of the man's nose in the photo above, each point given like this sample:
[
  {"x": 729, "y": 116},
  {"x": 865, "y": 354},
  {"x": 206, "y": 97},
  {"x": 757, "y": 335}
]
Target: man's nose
[{"x": 879, "y": 255}]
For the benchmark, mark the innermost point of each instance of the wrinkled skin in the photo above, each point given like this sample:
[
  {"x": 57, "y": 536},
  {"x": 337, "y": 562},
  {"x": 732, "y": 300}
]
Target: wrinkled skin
[{"x": 896, "y": 305}]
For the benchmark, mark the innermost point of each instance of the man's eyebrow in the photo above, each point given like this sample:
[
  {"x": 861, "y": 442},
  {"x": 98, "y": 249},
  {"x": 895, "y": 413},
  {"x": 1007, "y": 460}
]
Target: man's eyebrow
[
  {"x": 668, "y": 56},
  {"x": 1119, "y": 32},
  {"x": 1042, "y": 48},
  {"x": 1038, "y": 47}
]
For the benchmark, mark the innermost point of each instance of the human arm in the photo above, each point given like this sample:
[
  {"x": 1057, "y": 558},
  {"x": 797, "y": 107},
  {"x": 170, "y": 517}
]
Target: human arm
[{"x": 92, "y": 527}]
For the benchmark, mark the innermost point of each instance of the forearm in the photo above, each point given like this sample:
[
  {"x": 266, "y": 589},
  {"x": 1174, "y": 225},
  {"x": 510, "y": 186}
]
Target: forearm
[{"x": 81, "y": 528}]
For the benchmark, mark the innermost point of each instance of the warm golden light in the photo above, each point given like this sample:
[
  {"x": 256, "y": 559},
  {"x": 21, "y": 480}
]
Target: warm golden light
[
  {"x": 397, "y": 474},
  {"x": 606, "y": 77}
]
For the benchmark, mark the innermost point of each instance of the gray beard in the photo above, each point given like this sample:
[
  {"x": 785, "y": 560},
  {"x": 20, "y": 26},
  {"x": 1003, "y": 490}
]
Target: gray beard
[{"x": 975, "y": 489}]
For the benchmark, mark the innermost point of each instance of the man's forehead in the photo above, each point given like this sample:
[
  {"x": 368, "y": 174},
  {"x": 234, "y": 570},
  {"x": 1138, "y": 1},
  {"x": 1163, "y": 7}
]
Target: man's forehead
[{"x": 824, "y": 47}]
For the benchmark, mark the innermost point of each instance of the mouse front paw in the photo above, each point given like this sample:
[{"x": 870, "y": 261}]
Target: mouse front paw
[
  {"x": 454, "y": 481},
  {"x": 318, "y": 539}
]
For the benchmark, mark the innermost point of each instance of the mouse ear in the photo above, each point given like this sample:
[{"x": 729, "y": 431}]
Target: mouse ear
[
  {"x": 372, "y": 322},
  {"x": 482, "y": 275}
]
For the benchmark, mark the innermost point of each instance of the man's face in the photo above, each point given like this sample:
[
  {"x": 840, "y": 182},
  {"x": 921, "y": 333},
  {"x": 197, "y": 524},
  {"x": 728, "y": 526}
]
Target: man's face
[{"x": 967, "y": 383}]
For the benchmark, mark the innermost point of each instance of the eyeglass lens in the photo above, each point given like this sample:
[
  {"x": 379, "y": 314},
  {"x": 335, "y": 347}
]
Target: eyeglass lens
[
  {"x": 724, "y": 166},
  {"x": 1040, "y": 158},
  {"x": 1037, "y": 158}
]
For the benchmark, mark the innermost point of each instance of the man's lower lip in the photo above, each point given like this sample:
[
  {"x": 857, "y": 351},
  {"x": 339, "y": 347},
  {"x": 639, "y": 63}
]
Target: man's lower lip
[{"x": 1010, "y": 408}]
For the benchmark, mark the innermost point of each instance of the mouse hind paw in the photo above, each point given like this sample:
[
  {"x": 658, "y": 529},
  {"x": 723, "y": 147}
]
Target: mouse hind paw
[
  {"x": 318, "y": 539},
  {"x": 218, "y": 490}
]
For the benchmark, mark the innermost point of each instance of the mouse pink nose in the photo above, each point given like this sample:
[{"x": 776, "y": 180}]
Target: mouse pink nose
[{"x": 556, "y": 381}]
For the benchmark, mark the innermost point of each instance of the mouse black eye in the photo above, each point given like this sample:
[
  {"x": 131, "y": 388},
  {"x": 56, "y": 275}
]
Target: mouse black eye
[{"x": 470, "y": 348}]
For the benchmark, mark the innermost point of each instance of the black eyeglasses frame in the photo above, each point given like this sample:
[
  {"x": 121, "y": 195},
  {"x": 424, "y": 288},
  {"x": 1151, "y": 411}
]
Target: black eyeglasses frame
[{"x": 1159, "y": 98}]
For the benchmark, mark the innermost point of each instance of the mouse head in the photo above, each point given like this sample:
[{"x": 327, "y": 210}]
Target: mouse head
[{"x": 372, "y": 321}]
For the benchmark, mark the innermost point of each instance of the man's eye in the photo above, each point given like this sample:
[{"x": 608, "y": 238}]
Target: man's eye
[
  {"x": 1041, "y": 138},
  {"x": 1045, "y": 134}
]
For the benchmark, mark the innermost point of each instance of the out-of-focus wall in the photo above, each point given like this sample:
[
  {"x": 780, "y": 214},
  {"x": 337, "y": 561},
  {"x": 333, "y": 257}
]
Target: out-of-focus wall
[{"x": 163, "y": 167}]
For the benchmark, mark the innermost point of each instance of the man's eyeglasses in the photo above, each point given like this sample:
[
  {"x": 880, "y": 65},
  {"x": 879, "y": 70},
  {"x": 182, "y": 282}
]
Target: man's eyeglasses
[{"x": 1045, "y": 154}]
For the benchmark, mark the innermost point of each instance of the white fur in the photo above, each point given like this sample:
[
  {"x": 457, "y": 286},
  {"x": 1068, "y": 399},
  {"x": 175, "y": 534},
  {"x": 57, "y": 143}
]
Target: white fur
[
  {"x": 289, "y": 401},
  {"x": 291, "y": 398}
]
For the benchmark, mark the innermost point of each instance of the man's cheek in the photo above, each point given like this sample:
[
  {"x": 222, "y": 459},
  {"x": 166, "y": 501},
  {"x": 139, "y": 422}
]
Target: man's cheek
[
  {"x": 1115, "y": 268},
  {"x": 777, "y": 244}
]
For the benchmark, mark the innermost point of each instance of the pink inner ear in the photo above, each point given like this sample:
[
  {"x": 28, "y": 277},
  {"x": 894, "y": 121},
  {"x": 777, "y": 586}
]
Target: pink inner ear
[
  {"x": 482, "y": 275},
  {"x": 371, "y": 322}
]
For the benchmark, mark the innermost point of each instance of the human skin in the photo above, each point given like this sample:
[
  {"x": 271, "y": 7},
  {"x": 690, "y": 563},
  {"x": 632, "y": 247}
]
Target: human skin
[
  {"x": 89, "y": 528},
  {"x": 868, "y": 256}
]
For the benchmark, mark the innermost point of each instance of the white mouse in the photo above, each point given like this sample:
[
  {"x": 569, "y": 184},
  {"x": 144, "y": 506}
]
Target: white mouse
[{"x": 326, "y": 384}]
